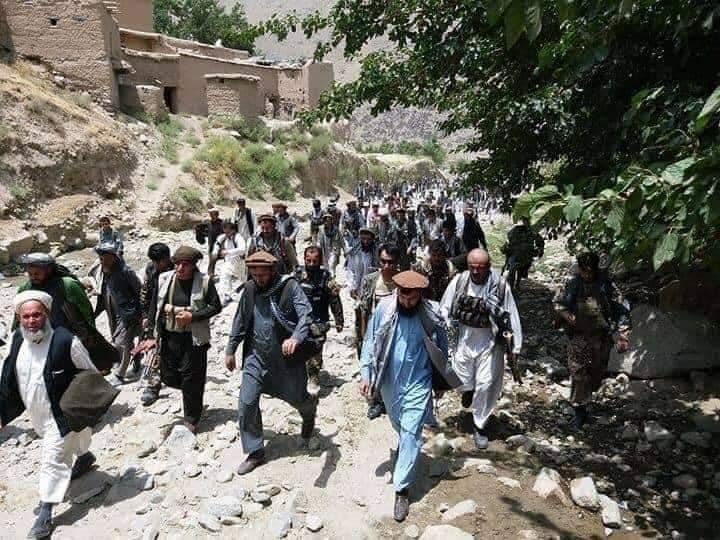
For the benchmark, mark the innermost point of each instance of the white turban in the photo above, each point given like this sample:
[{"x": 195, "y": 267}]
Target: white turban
[{"x": 26, "y": 296}]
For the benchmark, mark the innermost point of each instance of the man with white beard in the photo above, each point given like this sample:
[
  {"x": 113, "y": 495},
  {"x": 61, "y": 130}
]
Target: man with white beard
[
  {"x": 474, "y": 302},
  {"x": 38, "y": 370}
]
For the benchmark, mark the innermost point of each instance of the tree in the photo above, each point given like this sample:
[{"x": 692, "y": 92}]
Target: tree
[
  {"x": 604, "y": 112},
  {"x": 205, "y": 21}
]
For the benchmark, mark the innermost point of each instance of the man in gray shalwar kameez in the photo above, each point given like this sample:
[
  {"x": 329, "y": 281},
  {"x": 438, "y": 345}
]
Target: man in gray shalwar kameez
[{"x": 273, "y": 319}]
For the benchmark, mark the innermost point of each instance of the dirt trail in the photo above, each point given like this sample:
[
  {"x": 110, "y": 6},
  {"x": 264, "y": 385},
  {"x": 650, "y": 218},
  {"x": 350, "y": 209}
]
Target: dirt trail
[{"x": 344, "y": 474}]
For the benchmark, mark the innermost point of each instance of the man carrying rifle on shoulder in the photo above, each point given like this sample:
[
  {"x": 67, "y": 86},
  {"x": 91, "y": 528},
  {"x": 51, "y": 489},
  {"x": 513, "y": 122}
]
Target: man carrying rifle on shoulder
[{"x": 480, "y": 304}]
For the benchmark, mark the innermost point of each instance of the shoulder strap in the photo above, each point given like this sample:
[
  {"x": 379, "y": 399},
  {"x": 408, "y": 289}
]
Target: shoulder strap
[
  {"x": 205, "y": 284},
  {"x": 502, "y": 285}
]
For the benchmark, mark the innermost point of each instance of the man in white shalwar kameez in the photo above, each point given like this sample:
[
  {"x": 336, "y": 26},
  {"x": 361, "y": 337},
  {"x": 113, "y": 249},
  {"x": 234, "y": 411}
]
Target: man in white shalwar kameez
[
  {"x": 34, "y": 344},
  {"x": 230, "y": 247},
  {"x": 479, "y": 357}
]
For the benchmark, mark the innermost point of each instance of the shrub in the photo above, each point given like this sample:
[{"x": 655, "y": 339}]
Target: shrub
[
  {"x": 294, "y": 138},
  {"x": 238, "y": 123},
  {"x": 301, "y": 160},
  {"x": 257, "y": 151},
  {"x": 319, "y": 145},
  {"x": 187, "y": 199},
  {"x": 376, "y": 172},
  {"x": 434, "y": 151},
  {"x": 192, "y": 140},
  {"x": 18, "y": 191},
  {"x": 276, "y": 171},
  {"x": 152, "y": 184},
  {"x": 219, "y": 150},
  {"x": 169, "y": 129},
  {"x": 84, "y": 101},
  {"x": 187, "y": 166}
]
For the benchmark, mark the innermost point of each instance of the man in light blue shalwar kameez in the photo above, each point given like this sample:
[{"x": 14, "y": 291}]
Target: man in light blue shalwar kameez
[{"x": 395, "y": 365}]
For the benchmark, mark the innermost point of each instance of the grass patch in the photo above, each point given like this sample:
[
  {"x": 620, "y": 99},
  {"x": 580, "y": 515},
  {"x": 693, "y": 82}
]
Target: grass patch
[
  {"x": 187, "y": 199},
  {"x": 44, "y": 107},
  {"x": 192, "y": 140},
  {"x": 251, "y": 132},
  {"x": 430, "y": 149},
  {"x": 152, "y": 184},
  {"x": 187, "y": 166},
  {"x": 18, "y": 191},
  {"x": 254, "y": 167},
  {"x": 170, "y": 130},
  {"x": 319, "y": 145},
  {"x": 377, "y": 172},
  {"x": 346, "y": 176},
  {"x": 300, "y": 160}
]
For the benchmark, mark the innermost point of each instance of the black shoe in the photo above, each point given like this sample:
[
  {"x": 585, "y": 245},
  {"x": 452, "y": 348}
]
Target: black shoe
[
  {"x": 42, "y": 528},
  {"x": 252, "y": 462},
  {"x": 466, "y": 399},
  {"x": 480, "y": 439},
  {"x": 82, "y": 465},
  {"x": 150, "y": 395},
  {"x": 580, "y": 418},
  {"x": 376, "y": 409},
  {"x": 402, "y": 506}
]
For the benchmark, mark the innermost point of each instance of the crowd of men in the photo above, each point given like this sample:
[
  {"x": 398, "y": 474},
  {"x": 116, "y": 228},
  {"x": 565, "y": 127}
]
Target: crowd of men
[{"x": 431, "y": 315}]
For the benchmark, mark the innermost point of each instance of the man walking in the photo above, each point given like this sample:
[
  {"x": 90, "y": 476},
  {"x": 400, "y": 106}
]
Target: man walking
[
  {"x": 395, "y": 366},
  {"x": 214, "y": 229},
  {"x": 243, "y": 218},
  {"x": 272, "y": 321},
  {"x": 324, "y": 295},
  {"x": 597, "y": 316},
  {"x": 286, "y": 224},
  {"x": 119, "y": 296},
  {"x": 230, "y": 247},
  {"x": 330, "y": 243},
  {"x": 438, "y": 269},
  {"x": 523, "y": 244},
  {"x": 271, "y": 241},
  {"x": 475, "y": 301},
  {"x": 42, "y": 363},
  {"x": 180, "y": 319},
  {"x": 160, "y": 261}
]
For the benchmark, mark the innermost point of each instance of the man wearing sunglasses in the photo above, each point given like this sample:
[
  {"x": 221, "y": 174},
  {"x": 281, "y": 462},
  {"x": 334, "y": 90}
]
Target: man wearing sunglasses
[
  {"x": 395, "y": 367},
  {"x": 376, "y": 286}
]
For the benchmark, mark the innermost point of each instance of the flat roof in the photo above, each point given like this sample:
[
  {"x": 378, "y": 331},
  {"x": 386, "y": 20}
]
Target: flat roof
[
  {"x": 236, "y": 76},
  {"x": 153, "y": 55},
  {"x": 138, "y": 33}
]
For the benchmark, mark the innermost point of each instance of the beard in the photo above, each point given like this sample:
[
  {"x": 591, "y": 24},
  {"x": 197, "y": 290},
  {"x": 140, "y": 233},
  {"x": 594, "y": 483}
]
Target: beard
[
  {"x": 36, "y": 336},
  {"x": 408, "y": 312}
]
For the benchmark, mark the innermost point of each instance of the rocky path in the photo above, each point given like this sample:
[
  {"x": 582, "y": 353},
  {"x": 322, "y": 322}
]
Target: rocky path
[{"x": 643, "y": 469}]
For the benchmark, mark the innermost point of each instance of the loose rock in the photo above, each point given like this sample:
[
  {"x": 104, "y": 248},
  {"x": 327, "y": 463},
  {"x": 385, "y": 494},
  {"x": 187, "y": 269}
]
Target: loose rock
[
  {"x": 584, "y": 494},
  {"x": 460, "y": 509},
  {"x": 313, "y": 523},
  {"x": 549, "y": 483},
  {"x": 610, "y": 512},
  {"x": 445, "y": 532}
]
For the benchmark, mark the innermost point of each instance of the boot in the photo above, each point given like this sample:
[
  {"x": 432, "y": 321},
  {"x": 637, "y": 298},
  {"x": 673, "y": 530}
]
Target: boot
[
  {"x": 252, "y": 462},
  {"x": 580, "y": 418},
  {"x": 150, "y": 395},
  {"x": 466, "y": 399},
  {"x": 82, "y": 465},
  {"x": 42, "y": 528},
  {"x": 480, "y": 438},
  {"x": 402, "y": 505},
  {"x": 376, "y": 409}
]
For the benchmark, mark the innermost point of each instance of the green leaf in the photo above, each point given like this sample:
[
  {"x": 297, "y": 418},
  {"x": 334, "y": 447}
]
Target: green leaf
[
  {"x": 665, "y": 250},
  {"x": 574, "y": 208},
  {"x": 533, "y": 19},
  {"x": 625, "y": 7},
  {"x": 566, "y": 10},
  {"x": 674, "y": 173},
  {"x": 615, "y": 218},
  {"x": 514, "y": 23},
  {"x": 549, "y": 212},
  {"x": 709, "y": 109}
]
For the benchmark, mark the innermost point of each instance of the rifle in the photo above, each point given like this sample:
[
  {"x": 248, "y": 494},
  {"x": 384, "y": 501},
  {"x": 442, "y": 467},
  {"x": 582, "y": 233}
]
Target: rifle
[{"x": 505, "y": 333}]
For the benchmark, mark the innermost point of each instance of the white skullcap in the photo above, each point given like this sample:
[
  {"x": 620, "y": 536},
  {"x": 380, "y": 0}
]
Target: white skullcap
[{"x": 26, "y": 296}]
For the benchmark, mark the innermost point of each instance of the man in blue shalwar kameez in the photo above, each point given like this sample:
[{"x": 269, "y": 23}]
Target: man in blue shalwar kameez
[{"x": 395, "y": 365}]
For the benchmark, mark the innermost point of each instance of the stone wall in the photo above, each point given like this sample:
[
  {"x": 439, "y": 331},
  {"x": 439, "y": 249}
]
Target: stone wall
[
  {"x": 239, "y": 95},
  {"x": 136, "y": 15},
  {"x": 75, "y": 37},
  {"x": 317, "y": 77}
]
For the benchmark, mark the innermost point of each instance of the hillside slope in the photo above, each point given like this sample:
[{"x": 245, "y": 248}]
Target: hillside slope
[{"x": 53, "y": 143}]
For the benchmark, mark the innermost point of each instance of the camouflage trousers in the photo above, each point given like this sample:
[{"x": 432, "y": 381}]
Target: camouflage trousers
[
  {"x": 151, "y": 374},
  {"x": 314, "y": 364},
  {"x": 587, "y": 357}
]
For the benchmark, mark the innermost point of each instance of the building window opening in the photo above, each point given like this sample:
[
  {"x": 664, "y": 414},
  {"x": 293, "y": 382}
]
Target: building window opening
[{"x": 54, "y": 21}]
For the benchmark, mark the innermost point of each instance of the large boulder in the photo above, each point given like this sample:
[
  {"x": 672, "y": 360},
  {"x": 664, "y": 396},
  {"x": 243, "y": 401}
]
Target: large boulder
[{"x": 663, "y": 344}]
